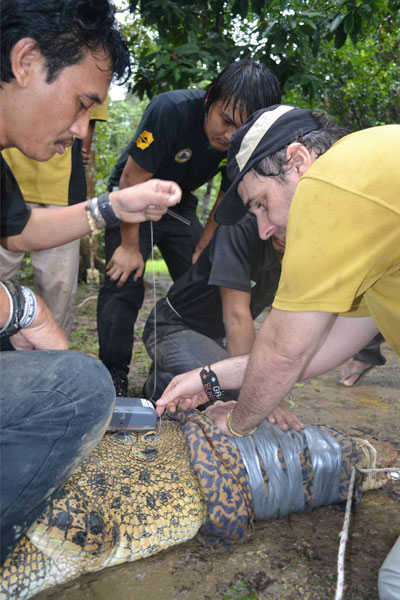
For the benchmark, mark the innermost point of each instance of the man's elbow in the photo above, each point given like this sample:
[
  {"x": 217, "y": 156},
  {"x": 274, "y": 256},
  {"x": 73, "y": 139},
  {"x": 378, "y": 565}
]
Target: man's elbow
[{"x": 11, "y": 244}]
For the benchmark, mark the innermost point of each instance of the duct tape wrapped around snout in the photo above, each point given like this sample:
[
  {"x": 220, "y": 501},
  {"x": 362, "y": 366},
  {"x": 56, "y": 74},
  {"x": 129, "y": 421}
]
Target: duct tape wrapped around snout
[
  {"x": 296, "y": 471},
  {"x": 266, "y": 475}
]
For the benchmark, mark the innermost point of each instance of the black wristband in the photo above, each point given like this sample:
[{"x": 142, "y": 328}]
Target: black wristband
[
  {"x": 211, "y": 386},
  {"x": 18, "y": 303},
  {"x": 106, "y": 210}
]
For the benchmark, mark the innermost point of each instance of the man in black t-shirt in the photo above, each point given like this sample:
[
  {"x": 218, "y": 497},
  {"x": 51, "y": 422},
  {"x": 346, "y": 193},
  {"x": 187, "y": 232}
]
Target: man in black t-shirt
[
  {"x": 233, "y": 280},
  {"x": 183, "y": 136}
]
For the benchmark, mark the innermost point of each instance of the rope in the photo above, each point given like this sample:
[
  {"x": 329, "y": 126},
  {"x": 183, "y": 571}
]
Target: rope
[
  {"x": 343, "y": 539},
  {"x": 345, "y": 530},
  {"x": 155, "y": 311}
]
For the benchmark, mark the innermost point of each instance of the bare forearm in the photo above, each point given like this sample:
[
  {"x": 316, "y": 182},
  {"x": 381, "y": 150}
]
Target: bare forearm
[
  {"x": 210, "y": 227},
  {"x": 230, "y": 372},
  {"x": 240, "y": 336},
  {"x": 130, "y": 235},
  {"x": 268, "y": 378},
  {"x": 50, "y": 228},
  {"x": 346, "y": 337},
  {"x": 283, "y": 348}
]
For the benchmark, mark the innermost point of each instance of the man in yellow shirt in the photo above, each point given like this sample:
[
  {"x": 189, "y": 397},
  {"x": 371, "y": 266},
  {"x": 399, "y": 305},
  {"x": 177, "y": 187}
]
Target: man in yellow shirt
[
  {"x": 338, "y": 211},
  {"x": 58, "y": 182}
]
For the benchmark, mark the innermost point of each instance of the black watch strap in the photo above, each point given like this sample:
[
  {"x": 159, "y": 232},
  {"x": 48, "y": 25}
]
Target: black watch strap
[{"x": 106, "y": 210}]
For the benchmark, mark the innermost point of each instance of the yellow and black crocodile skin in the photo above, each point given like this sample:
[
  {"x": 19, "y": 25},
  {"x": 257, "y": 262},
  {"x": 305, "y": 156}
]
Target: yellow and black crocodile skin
[{"x": 133, "y": 496}]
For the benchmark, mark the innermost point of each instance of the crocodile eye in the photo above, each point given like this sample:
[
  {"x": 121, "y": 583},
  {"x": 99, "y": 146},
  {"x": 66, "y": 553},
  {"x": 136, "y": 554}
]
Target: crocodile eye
[
  {"x": 149, "y": 453},
  {"x": 125, "y": 437}
]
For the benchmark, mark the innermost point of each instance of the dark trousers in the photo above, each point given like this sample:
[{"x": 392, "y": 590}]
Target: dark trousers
[
  {"x": 55, "y": 407},
  {"x": 175, "y": 349},
  {"x": 371, "y": 353},
  {"x": 117, "y": 308}
]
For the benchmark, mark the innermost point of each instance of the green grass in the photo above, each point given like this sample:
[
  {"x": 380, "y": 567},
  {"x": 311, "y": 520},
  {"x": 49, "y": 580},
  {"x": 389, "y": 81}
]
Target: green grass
[{"x": 159, "y": 266}]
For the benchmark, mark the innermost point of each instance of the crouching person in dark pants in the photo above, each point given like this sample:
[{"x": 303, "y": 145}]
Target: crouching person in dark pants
[{"x": 55, "y": 406}]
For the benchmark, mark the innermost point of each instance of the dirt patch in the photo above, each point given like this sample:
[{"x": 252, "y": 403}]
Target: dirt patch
[{"x": 288, "y": 559}]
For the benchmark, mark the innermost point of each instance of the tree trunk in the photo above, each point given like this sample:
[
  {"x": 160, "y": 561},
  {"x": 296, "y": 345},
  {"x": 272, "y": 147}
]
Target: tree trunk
[{"x": 90, "y": 264}]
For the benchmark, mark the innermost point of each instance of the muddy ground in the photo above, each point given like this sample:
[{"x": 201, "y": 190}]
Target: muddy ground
[{"x": 289, "y": 559}]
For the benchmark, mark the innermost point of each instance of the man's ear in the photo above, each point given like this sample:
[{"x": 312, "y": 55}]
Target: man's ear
[
  {"x": 24, "y": 57},
  {"x": 299, "y": 157}
]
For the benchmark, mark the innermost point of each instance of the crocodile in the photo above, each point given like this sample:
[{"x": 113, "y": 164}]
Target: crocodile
[{"x": 139, "y": 493}]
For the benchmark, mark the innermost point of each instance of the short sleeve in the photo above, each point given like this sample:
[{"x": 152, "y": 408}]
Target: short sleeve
[
  {"x": 231, "y": 262},
  {"x": 156, "y": 134},
  {"x": 339, "y": 243},
  {"x": 14, "y": 212}
]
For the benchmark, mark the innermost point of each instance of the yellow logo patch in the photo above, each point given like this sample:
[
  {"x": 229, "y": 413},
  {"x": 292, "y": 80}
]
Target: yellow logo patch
[
  {"x": 145, "y": 139},
  {"x": 183, "y": 155}
]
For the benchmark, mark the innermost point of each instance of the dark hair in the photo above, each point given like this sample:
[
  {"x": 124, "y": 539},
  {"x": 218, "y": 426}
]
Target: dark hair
[
  {"x": 317, "y": 141},
  {"x": 63, "y": 30},
  {"x": 249, "y": 84}
]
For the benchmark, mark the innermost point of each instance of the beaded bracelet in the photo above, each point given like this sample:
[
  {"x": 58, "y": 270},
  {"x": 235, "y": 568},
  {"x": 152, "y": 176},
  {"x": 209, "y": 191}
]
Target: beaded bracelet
[{"x": 234, "y": 431}]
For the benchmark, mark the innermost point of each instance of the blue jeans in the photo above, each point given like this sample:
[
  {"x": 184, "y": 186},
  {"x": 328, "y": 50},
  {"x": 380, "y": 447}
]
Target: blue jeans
[
  {"x": 55, "y": 406},
  {"x": 179, "y": 349}
]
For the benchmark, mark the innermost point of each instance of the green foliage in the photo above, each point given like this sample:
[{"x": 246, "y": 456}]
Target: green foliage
[
  {"x": 240, "y": 591},
  {"x": 186, "y": 42},
  {"x": 358, "y": 85},
  {"x": 337, "y": 55},
  {"x": 114, "y": 134}
]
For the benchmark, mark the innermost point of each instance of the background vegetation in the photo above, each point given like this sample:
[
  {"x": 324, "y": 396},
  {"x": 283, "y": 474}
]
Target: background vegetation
[{"x": 341, "y": 56}]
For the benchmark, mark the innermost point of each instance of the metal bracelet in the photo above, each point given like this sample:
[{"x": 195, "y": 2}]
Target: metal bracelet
[
  {"x": 94, "y": 209},
  {"x": 30, "y": 309},
  {"x": 106, "y": 210},
  {"x": 11, "y": 313},
  {"x": 234, "y": 431}
]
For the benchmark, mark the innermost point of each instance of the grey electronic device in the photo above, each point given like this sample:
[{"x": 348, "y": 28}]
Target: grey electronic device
[{"x": 133, "y": 414}]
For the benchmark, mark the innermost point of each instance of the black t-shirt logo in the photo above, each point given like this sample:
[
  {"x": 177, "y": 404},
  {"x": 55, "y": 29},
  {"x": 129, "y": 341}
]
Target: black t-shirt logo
[
  {"x": 144, "y": 139},
  {"x": 183, "y": 155}
]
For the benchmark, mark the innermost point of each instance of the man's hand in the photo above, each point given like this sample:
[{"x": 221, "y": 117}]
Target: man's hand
[
  {"x": 145, "y": 201},
  {"x": 218, "y": 413},
  {"x": 123, "y": 262},
  {"x": 43, "y": 334},
  {"x": 184, "y": 391},
  {"x": 284, "y": 418}
]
